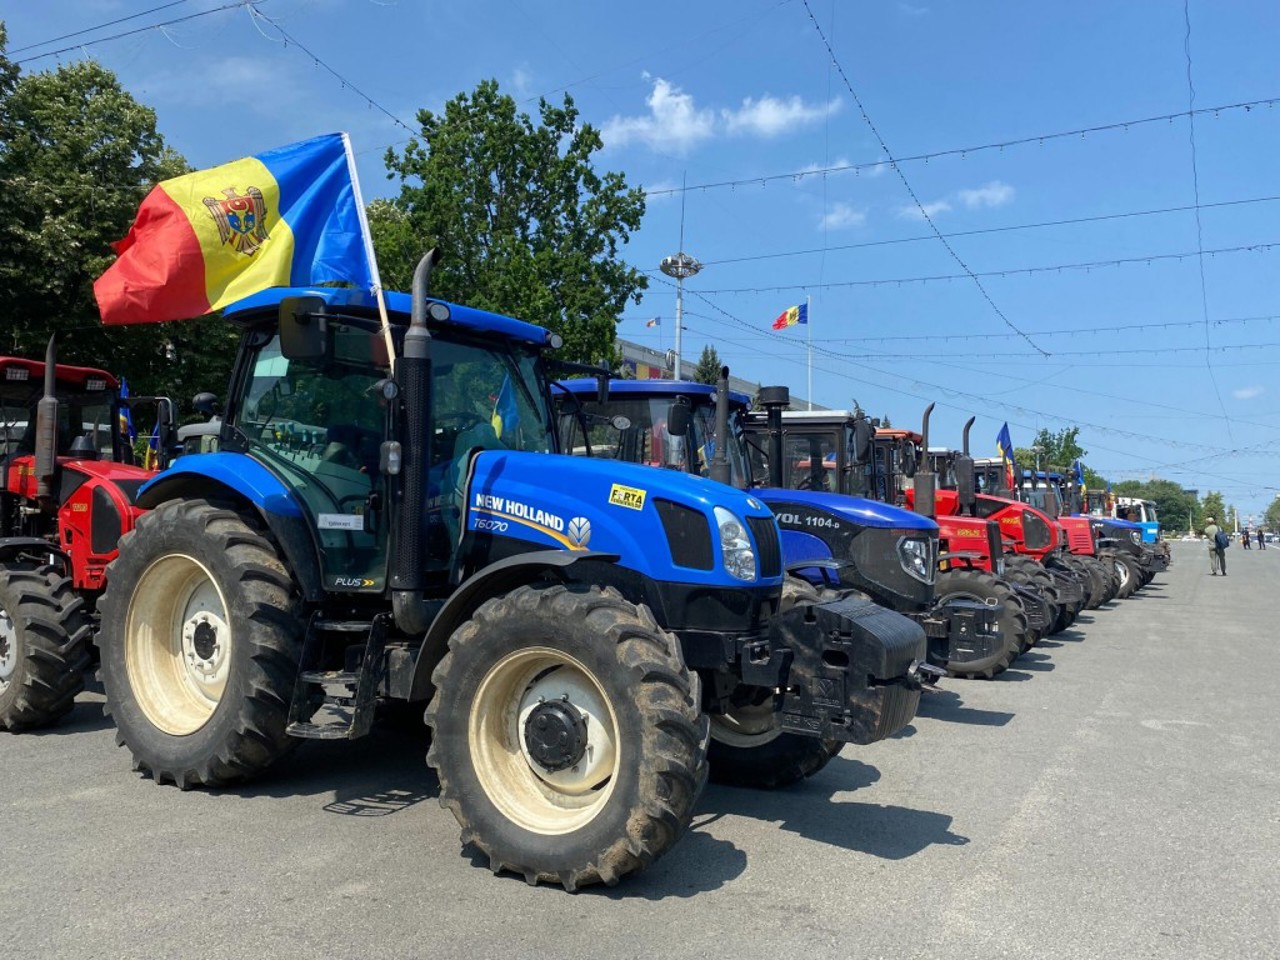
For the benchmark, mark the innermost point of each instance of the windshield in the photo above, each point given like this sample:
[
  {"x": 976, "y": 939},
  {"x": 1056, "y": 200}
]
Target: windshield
[
  {"x": 634, "y": 429},
  {"x": 79, "y": 414}
]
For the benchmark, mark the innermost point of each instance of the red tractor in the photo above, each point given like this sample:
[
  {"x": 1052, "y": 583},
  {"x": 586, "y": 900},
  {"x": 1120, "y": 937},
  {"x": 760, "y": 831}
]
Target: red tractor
[{"x": 67, "y": 484}]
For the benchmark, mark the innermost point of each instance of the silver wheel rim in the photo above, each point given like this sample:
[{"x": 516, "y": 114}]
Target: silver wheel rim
[
  {"x": 178, "y": 644},
  {"x": 747, "y": 727},
  {"x": 8, "y": 648},
  {"x": 542, "y": 801}
]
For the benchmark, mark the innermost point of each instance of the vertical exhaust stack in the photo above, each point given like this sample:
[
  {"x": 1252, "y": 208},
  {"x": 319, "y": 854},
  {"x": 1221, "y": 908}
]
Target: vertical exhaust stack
[
  {"x": 924, "y": 483},
  {"x": 46, "y": 452},
  {"x": 719, "y": 466},
  {"x": 966, "y": 483},
  {"x": 413, "y": 376},
  {"x": 774, "y": 399}
]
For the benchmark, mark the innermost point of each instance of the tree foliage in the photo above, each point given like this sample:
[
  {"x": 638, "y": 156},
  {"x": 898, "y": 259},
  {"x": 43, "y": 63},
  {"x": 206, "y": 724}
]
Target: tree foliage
[
  {"x": 1058, "y": 450},
  {"x": 708, "y": 369},
  {"x": 1212, "y": 505},
  {"x": 1174, "y": 505},
  {"x": 526, "y": 224},
  {"x": 1272, "y": 516},
  {"x": 77, "y": 155}
]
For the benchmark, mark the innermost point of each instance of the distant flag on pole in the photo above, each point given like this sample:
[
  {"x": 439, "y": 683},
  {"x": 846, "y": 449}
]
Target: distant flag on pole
[
  {"x": 1004, "y": 445},
  {"x": 654, "y": 322},
  {"x": 287, "y": 217},
  {"x": 126, "y": 415},
  {"x": 792, "y": 316}
]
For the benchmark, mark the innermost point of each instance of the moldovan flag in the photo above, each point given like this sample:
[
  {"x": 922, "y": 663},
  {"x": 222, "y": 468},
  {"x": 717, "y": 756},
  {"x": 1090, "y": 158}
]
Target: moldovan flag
[
  {"x": 791, "y": 316},
  {"x": 288, "y": 217},
  {"x": 1004, "y": 445}
]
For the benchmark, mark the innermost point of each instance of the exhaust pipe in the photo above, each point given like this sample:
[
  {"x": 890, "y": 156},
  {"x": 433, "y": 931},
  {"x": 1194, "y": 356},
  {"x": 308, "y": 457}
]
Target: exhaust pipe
[
  {"x": 966, "y": 482},
  {"x": 413, "y": 374},
  {"x": 46, "y": 452},
  {"x": 773, "y": 399},
  {"x": 718, "y": 469},
  {"x": 924, "y": 484}
]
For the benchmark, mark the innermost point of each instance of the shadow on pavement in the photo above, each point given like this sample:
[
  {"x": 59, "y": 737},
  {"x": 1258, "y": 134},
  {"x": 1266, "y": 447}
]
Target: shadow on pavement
[
  {"x": 1033, "y": 661},
  {"x": 85, "y": 717},
  {"x": 949, "y": 706}
]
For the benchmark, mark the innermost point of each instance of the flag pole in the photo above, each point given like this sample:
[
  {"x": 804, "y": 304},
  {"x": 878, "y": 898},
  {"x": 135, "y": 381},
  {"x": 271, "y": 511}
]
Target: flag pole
[
  {"x": 367, "y": 237},
  {"x": 808, "y": 316}
]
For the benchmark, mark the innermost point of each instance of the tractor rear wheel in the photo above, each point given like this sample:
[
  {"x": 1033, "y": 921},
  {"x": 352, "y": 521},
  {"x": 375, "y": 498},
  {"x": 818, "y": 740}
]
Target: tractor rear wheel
[
  {"x": 200, "y": 641},
  {"x": 44, "y": 647},
  {"x": 992, "y": 656},
  {"x": 1127, "y": 575},
  {"x": 566, "y": 734}
]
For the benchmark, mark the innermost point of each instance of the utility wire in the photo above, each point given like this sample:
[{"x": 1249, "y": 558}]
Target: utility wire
[
  {"x": 907, "y": 184},
  {"x": 100, "y": 26},
  {"x": 1073, "y": 221},
  {"x": 798, "y": 175},
  {"x": 247, "y": 4},
  {"x": 1007, "y": 272},
  {"x": 1195, "y": 183}
]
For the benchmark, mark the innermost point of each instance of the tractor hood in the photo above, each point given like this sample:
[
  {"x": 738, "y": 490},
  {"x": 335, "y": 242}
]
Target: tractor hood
[{"x": 866, "y": 513}]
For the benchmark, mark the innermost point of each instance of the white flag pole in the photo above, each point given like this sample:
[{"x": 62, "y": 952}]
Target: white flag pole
[
  {"x": 808, "y": 317},
  {"x": 367, "y": 237}
]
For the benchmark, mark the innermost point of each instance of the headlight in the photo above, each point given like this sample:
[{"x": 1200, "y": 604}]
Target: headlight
[
  {"x": 735, "y": 545},
  {"x": 916, "y": 558},
  {"x": 1135, "y": 536}
]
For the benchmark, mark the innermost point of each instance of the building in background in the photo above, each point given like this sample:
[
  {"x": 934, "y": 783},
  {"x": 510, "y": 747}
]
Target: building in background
[{"x": 645, "y": 363}]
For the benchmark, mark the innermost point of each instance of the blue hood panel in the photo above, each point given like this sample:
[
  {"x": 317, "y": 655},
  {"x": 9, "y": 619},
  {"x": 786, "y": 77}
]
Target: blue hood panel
[
  {"x": 856, "y": 510},
  {"x": 577, "y": 503}
]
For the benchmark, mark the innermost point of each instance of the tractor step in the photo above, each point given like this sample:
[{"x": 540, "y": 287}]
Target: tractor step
[{"x": 320, "y": 712}]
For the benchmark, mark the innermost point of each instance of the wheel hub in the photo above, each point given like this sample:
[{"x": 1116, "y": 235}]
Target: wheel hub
[
  {"x": 204, "y": 646},
  {"x": 8, "y": 648},
  {"x": 555, "y": 734}
]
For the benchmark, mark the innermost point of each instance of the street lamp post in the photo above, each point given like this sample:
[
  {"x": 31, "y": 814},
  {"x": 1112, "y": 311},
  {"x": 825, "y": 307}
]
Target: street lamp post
[
  {"x": 679, "y": 265},
  {"x": 1037, "y": 450}
]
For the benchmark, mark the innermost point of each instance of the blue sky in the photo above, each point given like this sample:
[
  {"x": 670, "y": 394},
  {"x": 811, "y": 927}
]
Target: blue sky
[{"x": 745, "y": 91}]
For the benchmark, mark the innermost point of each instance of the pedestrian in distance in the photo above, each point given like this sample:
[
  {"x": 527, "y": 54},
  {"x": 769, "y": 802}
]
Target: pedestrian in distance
[
  {"x": 1262, "y": 542},
  {"x": 1218, "y": 542},
  {"x": 1244, "y": 538}
]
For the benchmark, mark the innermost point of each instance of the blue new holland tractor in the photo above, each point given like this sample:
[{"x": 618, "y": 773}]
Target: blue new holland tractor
[
  {"x": 387, "y": 518},
  {"x": 829, "y": 540}
]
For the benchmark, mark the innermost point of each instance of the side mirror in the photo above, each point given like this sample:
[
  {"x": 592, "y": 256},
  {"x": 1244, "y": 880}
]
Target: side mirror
[
  {"x": 303, "y": 328},
  {"x": 909, "y": 462},
  {"x": 678, "y": 416},
  {"x": 207, "y": 403},
  {"x": 863, "y": 436}
]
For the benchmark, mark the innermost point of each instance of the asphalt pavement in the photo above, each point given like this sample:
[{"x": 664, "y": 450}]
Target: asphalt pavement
[{"x": 1114, "y": 795}]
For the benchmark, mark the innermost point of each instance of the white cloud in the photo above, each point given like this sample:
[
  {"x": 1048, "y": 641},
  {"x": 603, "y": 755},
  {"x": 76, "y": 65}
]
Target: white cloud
[
  {"x": 522, "y": 80},
  {"x": 672, "y": 124},
  {"x": 675, "y": 124},
  {"x": 772, "y": 117},
  {"x": 842, "y": 215},
  {"x": 911, "y": 10},
  {"x": 1248, "y": 393},
  {"x": 660, "y": 191},
  {"x": 912, "y": 212},
  {"x": 993, "y": 194}
]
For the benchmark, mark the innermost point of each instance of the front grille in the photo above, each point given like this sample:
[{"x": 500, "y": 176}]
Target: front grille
[
  {"x": 688, "y": 535},
  {"x": 765, "y": 530},
  {"x": 1035, "y": 532}
]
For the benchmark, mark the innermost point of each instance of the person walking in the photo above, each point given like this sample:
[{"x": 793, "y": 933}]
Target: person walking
[
  {"x": 1218, "y": 541},
  {"x": 1262, "y": 542},
  {"x": 1244, "y": 538}
]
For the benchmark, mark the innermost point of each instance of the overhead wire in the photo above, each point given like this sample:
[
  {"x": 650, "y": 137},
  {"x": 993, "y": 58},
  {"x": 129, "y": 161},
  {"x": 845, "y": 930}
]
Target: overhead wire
[
  {"x": 1081, "y": 132},
  {"x": 835, "y": 62},
  {"x": 100, "y": 26}
]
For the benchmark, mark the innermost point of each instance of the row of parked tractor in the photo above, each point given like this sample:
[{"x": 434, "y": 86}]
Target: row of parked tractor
[{"x": 598, "y": 593}]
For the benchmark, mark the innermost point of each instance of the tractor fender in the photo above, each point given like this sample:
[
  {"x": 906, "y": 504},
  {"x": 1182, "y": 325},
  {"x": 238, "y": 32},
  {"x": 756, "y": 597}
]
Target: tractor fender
[
  {"x": 240, "y": 480},
  {"x": 497, "y": 578},
  {"x": 11, "y": 548}
]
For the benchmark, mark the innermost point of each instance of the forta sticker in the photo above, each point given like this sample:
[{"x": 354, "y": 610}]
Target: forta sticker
[{"x": 630, "y": 497}]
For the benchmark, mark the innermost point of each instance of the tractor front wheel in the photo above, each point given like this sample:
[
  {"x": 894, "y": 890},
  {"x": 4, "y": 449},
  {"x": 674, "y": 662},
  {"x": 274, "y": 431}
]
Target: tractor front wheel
[
  {"x": 567, "y": 735},
  {"x": 44, "y": 647},
  {"x": 200, "y": 641},
  {"x": 991, "y": 655}
]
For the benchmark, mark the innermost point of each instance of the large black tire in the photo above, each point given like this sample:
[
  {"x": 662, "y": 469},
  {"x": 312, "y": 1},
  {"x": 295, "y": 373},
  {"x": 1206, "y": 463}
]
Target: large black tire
[
  {"x": 199, "y": 644},
  {"x": 1087, "y": 583},
  {"x": 1099, "y": 581},
  {"x": 988, "y": 661},
  {"x": 583, "y": 661},
  {"x": 1106, "y": 560},
  {"x": 1127, "y": 573},
  {"x": 747, "y": 749},
  {"x": 44, "y": 647},
  {"x": 1028, "y": 572}
]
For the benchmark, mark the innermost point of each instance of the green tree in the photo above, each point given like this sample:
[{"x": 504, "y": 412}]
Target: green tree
[
  {"x": 1174, "y": 506},
  {"x": 527, "y": 225},
  {"x": 1058, "y": 451},
  {"x": 886, "y": 422},
  {"x": 1272, "y": 516},
  {"x": 1211, "y": 505},
  {"x": 708, "y": 369},
  {"x": 77, "y": 155}
]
